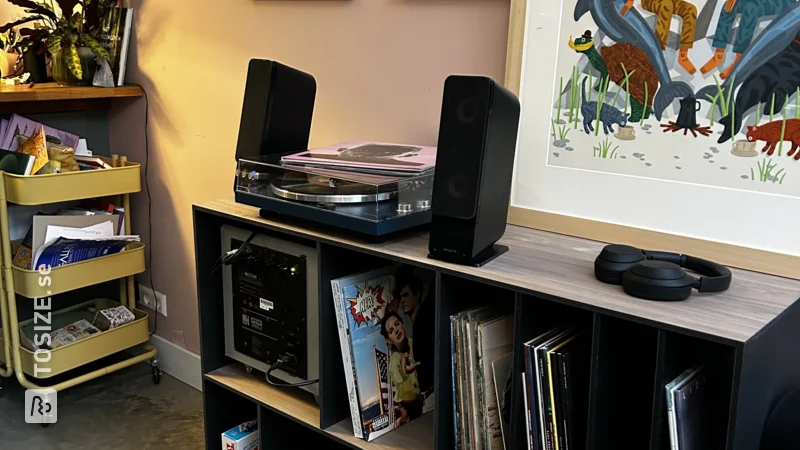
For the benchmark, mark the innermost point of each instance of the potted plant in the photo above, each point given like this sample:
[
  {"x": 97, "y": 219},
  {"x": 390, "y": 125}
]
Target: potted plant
[
  {"x": 70, "y": 37},
  {"x": 28, "y": 46}
]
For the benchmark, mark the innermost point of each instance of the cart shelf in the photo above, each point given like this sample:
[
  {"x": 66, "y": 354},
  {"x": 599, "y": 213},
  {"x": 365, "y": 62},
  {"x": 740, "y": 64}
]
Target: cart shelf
[
  {"x": 81, "y": 274},
  {"x": 68, "y": 186},
  {"x": 90, "y": 349}
]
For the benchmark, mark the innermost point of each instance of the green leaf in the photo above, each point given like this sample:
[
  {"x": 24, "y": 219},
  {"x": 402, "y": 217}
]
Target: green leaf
[
  {"x": 74, "y": 61},
  {"x": 98, "y": 49},
  {"x": 67, "y": 6},
  {"x": 11, "y": 25},
  {"x": 29, "y": 4},
  {"x": 76, "y": 21},
  {"x": 54, "y": 42}
]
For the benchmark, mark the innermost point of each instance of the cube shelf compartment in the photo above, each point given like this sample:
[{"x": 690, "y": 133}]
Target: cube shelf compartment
[{"x": 546, "y": 279}]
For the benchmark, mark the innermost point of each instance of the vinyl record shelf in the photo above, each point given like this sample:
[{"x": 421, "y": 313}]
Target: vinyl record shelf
[
  {"x": 747, "y": 338},
  {"x": 118, "y": 183}
]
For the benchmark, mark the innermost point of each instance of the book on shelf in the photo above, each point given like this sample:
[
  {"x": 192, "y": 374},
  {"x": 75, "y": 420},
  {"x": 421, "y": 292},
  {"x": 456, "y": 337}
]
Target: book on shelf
[
  {"x": 48, "y": 227},
  {"x": 495, "y": 339},
  {"x": 556, "y": 379},
  {"x": 65, "y": 251},
  {"x": 563, "y": 410},
  {"x": 502, "y": 371},
  {"x": 368, "y": 157},
  {"x": 16, "y": 163},
  {"x": 115, "y": 36},
  {"x": 36, "y": 146},
  {"x": 532, "y": 444},
  {"x": 24, "y": 127},
  {"x": 455, "y": 368},
  {"x": 480, "y": 336},
  {"x": 386, "y": 328},
  {"x": 3, "y": 128},
  {"x": 91, "y": 162},
  {"x": 575, "y": 359},
  {"x": 689, "y": 410}
]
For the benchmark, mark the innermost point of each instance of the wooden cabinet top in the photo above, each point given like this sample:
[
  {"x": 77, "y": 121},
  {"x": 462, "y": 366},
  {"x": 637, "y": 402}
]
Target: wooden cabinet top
[{"x": 561, "y": 268}]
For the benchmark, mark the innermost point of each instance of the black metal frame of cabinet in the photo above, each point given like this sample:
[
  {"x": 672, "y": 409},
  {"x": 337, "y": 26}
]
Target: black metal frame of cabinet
[{"x": 751, "y": 376}]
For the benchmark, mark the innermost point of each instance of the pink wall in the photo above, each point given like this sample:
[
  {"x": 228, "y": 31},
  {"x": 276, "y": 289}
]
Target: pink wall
[{"x": 380, "y": 66}]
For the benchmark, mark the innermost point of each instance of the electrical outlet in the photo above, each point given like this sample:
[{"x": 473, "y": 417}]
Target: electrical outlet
[{"x": 153, "y": 299}]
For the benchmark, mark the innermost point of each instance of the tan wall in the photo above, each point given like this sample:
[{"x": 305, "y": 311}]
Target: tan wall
[{"x": 379, "y": 64}]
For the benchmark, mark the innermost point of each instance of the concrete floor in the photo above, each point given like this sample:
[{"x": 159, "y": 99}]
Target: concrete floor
[{"x": 121, "y": 411}]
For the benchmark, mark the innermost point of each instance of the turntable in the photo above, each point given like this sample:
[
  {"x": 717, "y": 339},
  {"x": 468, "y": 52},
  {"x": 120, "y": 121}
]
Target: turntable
[{"x": 371, "y": 204}]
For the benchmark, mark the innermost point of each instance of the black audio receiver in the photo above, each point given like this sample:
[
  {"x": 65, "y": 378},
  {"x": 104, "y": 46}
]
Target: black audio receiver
[
  {"x": 271, "y": 305},
  {"x": 269, "y": 295}
]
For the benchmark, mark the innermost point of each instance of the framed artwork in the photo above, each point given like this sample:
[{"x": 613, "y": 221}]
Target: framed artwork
[{"x": 668, "y": 124}]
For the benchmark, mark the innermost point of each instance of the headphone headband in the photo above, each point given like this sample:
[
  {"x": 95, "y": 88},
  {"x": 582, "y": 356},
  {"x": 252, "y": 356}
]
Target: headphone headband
[{"x": 717, "y": 277}]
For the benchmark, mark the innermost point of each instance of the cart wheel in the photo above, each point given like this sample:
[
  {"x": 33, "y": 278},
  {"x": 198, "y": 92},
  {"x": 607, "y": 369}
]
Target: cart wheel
[
  {"x": 248, "y": 369},
  {"x": 156, "y": 371},
  {"x": 45, "y": 425}
]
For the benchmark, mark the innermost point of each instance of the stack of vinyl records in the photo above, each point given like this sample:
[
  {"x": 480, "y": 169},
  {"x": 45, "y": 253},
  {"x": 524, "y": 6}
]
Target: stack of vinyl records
[
  {"x": 556, "y": 388},
  {"x": 481, "y": 343}
]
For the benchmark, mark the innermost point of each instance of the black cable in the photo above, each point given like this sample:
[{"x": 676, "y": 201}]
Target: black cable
[
  {"x": 227, "y": 259},
  {"x": 280, "y": 363},
  {"x": 149, "y": 202}
]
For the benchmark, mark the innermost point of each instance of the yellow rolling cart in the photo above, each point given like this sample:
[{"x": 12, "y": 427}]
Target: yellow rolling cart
[{"x": 119, "y": 181}]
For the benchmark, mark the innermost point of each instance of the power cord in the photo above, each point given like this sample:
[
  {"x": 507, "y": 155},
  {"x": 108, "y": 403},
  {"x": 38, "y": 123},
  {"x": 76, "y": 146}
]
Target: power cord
[
  {"x": 282, "y": 361},
  {"x": 227, "y": 258},
  {"x": 149, "y": 200}
]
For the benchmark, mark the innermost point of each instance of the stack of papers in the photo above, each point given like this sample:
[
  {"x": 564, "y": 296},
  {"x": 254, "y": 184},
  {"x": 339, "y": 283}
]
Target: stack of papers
[{"x": 64, "y": 245}]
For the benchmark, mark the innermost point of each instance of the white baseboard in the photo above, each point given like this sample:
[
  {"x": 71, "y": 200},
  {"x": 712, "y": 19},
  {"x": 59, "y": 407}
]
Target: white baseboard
[{"x": 178, "y": 362}]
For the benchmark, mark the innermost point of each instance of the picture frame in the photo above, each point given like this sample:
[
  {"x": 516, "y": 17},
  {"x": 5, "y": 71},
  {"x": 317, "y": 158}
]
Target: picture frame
[{"x": 668, "y": 221}]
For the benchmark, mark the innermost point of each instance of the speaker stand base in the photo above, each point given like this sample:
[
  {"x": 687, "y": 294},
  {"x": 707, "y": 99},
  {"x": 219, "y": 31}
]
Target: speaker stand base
[{"x": 485, "y": 257}]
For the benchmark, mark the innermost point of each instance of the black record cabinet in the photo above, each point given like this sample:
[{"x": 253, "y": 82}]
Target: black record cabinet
[{"x": 748, "y": 338}]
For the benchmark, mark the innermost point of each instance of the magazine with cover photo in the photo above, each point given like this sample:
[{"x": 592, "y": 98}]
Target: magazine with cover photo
[{"x": 386, "y": 328}]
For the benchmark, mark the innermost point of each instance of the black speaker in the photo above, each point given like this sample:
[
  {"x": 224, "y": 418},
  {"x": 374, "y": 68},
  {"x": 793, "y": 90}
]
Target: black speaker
[
  {"x": 474, "y": 164},
  {"x": 780, "y": 430},
  {"x": 277, "y": 110}
]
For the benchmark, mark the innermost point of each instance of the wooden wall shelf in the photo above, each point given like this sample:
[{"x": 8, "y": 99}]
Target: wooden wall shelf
[
  {"x": 746, "y": 337},
  {"x": 50, "y": 97}
]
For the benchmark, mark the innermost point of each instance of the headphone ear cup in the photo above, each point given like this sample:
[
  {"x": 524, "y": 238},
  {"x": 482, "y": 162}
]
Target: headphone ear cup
[
  {"x": 614, "y": 260},
  {"x": 610, "y": 272},
  {"x": 657, "y": 280}
]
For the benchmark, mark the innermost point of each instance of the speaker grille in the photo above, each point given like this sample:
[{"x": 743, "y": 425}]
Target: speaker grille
[{"x": 462, "y": 132}]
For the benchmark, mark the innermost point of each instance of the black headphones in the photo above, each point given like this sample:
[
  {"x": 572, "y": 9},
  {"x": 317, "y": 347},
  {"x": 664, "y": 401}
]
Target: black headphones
[{"x": 658, "y": 275}]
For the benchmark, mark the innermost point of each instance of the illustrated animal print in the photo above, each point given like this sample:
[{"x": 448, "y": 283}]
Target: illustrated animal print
[
  {"x": 664, "y": 10},
  {"x": 608, "y": 114},
  {"x": 771, "y": 133},
  {"x": 779, "y": 76},
  {"x": 749, "y": 11}
]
